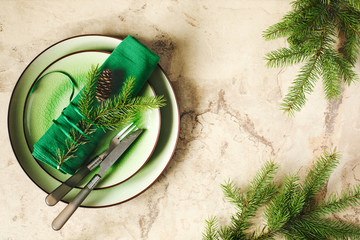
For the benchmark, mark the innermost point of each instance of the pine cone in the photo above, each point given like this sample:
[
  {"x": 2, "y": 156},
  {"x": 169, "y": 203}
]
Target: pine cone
[{"x": 103, "y": 88}]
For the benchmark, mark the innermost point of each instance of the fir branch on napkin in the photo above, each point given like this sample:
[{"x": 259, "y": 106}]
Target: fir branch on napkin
[{"x": 111, "y": 114}]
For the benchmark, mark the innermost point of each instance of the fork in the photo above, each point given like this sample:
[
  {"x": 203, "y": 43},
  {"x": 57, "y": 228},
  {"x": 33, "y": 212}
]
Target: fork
[{"x": 55, "y": 196}]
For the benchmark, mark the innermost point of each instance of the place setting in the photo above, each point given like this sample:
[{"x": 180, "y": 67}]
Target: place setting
[{"x": 93, "y": 121}]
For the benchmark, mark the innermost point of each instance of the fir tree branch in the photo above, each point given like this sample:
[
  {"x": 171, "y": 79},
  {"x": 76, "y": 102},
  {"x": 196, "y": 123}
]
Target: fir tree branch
[
  {"x": 127, "y": 89},
  {"x": 322, "y": 228},
  {"x": 353, "y": 3},
  {"x": 211, "y": 232},
  {"x": 117, "y": 112},
  {"x": 86, "y": 100},
  {"x": 331, "y": 80},
  {"x": 318, "y": 175},
  {"x": 351, "y": 47},
  {"x": 283, "y": 207},
  {"x": 298, "y": 5},
  {"x": 111, "y": 110},
  {"x": 226, "y": 233},
  {"x": 262, "y": 179},
  {"x": 338, "y": 229},
  {"x": 304, "y": 228},
  {"x": 258, "y": 192},
  {"x": 234, "y": 194},
  {"x": 335, "y": 203},
  {"x": 111, "y": 105},
  {"x": 309, "y": 25},
  {"x": 349, "y": 24},
  {"x": 267, "y": 235},
  {"x": 302, "y": 85},
  {"x": 284, "y": 28},
  {"x": 344, "y": 68},
  {"x": 304, "y": 82},
  {"x": 78, "y": 139},
  {"x": 311, "y": 28},
  {"x": 289, "y": 212},
  {"x": 286, "y": 56}
]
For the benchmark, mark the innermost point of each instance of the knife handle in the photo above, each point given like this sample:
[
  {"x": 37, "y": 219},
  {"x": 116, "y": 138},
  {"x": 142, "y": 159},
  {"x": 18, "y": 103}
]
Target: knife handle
[
  {"x": 68, "y": 211},
  {"x": 55, "y": 196}
]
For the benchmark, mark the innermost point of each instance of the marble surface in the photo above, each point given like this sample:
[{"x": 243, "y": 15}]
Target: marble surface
[{"x": 229, "y": 102}]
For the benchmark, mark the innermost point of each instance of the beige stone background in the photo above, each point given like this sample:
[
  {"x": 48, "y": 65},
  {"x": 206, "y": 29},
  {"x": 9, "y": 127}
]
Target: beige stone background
[{"x": 229, "y": 101}]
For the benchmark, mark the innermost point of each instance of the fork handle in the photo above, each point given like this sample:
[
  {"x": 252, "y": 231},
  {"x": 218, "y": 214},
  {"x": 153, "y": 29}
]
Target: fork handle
[
  {"x": 55, "y": 196},
  {"x": 68, "y": 211}
]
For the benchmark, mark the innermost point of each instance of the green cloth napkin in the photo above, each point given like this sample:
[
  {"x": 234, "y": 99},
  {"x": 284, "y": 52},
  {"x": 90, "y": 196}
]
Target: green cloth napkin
[{"x": 129, "y": 59}]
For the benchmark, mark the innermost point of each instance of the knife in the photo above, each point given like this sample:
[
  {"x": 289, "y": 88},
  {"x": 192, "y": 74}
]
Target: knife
[{"x": 113, "y": 156}]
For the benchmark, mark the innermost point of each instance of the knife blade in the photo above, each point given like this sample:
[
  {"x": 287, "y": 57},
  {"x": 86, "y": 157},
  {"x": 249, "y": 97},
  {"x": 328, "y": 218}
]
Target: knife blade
[
  {"x": 105, "y": 165},
  {"x": 118, "y": 151}
]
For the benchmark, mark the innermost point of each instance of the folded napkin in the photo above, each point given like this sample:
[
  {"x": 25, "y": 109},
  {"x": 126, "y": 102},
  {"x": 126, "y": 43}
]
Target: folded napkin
[{"x": 129, "y": 59}]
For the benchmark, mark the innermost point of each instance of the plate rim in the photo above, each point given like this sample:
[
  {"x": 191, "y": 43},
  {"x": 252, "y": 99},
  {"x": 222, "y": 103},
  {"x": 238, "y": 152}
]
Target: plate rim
[
  {"x": 27, "y": 143},
  {"x": 176, "y": 110}
]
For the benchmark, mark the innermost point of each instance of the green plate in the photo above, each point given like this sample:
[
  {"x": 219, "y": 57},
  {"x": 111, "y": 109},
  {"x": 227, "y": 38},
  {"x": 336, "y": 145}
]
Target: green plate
[
  {"x": 114, "y": 194},
  {"x": 51, "y": 95}
]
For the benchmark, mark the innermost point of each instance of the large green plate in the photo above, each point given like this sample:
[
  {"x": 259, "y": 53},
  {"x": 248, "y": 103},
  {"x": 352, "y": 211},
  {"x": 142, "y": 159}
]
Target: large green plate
[
  {"x": 51, "y": 94},
  {"x": 114, "y": 194}
]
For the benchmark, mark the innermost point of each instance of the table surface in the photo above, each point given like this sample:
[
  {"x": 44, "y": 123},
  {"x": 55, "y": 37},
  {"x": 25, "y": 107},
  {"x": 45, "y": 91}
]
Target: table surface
[{"x": 229, "y": 101}]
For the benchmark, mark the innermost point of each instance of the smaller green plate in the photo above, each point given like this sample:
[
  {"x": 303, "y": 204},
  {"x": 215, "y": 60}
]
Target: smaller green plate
[{"x": 51, "y": 95}]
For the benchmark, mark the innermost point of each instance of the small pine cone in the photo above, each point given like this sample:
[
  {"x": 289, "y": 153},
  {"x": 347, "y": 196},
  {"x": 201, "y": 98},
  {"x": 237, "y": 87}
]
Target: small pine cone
[{"x": 103, "y": 88}]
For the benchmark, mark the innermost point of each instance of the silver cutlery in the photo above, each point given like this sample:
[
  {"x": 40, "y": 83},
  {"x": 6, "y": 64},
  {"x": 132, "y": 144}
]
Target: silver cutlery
[
  {"x": 105, "y": 165},
  {"x": 55, "y": 196}
]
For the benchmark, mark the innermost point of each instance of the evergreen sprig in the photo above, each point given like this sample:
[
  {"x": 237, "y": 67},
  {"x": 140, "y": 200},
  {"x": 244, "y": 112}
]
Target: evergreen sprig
[
  {"x": 123, "y": 108},
  {"x": 312, "y": 29},
  {"x": 88, "y": 92},
  {"x": 259, "y": 191},
  {"x": 113, "y": 113},
  {"x": 294, "y": 209},
  {"x": 77, "y": 140}
]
